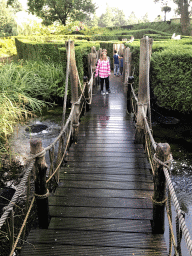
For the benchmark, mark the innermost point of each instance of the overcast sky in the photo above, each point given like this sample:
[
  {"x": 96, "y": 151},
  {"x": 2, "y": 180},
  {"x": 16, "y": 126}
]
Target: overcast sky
[{"x": 139, "y": 7}]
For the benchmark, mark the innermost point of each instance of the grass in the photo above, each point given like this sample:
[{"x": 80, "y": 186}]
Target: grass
[{"x": 25, "y": 88}]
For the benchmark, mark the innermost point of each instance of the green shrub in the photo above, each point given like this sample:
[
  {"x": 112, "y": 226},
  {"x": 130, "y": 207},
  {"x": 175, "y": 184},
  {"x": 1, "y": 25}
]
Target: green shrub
[
  {"x": 160, "y": 26},
  {"x": 170, "y": 76},
  {"x": 7, "y": 47}
]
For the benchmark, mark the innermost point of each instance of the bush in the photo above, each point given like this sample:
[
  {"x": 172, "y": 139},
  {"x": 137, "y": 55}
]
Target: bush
[
  {"x": 7, "y": 47},
  {"x": 170, "y": 76}
]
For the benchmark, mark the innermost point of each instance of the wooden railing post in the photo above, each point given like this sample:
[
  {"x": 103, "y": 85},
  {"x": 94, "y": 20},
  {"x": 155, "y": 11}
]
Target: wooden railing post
[
  {"x": 127, "y": 55},
  {"x": 92, "y": 61},
  {"x": 129, "y": 95},
  {"x": 143, "y": 92},
  {"x": 74, "y": 90},
  {"x": 86, "y": 93},
  {"x": 163, "y": 154},
  {"x": 41, "y": 191}
]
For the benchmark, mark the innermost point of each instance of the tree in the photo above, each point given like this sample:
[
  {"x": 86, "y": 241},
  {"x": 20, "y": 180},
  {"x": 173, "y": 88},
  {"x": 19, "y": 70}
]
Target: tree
[
  {"x": 183, "y": 10},
  {"x": 132, "y": 19},
  {"x": 144, "y": 19},
  {"x": 165, "y": 9},
  {"x": 118, "y": 17},
  {"x": 7, "y": 21},
  {"x": 61, "y": 10},
  {"x": 92, "y": 21},
  {"x": 15, "y": 4},
  {"x": 105, "y": 19}
]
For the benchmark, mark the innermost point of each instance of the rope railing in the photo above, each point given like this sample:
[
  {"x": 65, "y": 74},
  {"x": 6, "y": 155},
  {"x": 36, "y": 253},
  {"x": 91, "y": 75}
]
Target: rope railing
[
  {"x": 64, "y": 137},
  {"x": 151, "y": 147}
]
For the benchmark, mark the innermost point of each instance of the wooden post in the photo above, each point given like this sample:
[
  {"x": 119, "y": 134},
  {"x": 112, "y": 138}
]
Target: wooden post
[
  {"x": 162, "y": 153},
  {"x": 41, "y": 191},
  {"x": 129, "y": 95},
  {"x": 143, "y": 92},
  {"x": 127, "y": 57},
  {"x": 86, "y": 93},
  {"x": 74, "y": 90}
]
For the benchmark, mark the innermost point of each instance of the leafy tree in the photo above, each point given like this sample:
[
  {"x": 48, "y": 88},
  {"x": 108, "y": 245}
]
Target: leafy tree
[
  {"x": 145, "y": 18},
  {"x": 132, "y": 19},
  {"x": 92, "y": 21},
  {"x": 106, "y": 19},
  {"x": 183, "y": 10},
  {"x": 7, "y": 21},
  {"x": 16, "y": 5},
  {"x": 118, "y": 17},
  {"x": 165, "y": 9},
  {"x": 61, "y": 10}
]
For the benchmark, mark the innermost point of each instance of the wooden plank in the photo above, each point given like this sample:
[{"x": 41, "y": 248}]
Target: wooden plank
[
  {"x": 87, "y": 184},
  {"x": 98, "y": 238},
  {"x": 98, "y": 212},
  {"x": 111, "y": 164},
  {"x": 66, "y": 200},
  {"x": 108, "y": 172},
  {"x": 105, "y": 193},
  {"x": 96, "y": 153},
  {"x": 78, "y": 250},
  {"x": 89, "y": 224},
  {"x": 125, "y": 175}
]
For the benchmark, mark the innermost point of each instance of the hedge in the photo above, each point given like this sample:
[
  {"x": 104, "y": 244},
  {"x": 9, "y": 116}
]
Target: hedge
[
  {"x": 170, "y": 73},
  {"x": 56, "y": 52},
  {"x": 170, "y": 76},
  {"x": 138, "y": 34}
]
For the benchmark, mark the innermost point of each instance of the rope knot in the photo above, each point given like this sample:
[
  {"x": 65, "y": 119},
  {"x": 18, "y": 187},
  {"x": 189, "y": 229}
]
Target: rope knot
[
  {"x": 42, "y": 196},
  {"x": 165, "y": 164},
  {"x": 159, "y": 202}
]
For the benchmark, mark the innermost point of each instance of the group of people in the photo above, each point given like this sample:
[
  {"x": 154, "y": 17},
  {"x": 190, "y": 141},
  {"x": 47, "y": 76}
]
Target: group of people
[{"x": 103, "y": 69}]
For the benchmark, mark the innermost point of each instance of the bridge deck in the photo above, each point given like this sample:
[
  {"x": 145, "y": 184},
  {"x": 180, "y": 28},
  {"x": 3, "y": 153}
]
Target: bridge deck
[{"x": 102, "y": 206}]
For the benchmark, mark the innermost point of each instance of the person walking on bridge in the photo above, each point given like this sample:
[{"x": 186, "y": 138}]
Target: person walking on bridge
[
  {"x": 116, "y": 63},
  {"x": 104, "y": 71}
]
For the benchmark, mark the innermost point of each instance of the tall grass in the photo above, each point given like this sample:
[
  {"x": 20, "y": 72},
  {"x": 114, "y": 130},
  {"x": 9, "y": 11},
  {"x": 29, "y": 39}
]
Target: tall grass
[{"x": 26, "y": 88}]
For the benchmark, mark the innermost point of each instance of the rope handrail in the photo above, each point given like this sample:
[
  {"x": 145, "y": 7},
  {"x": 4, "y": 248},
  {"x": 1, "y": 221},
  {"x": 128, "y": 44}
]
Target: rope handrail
[
  {"x": 17, "y": 194},
  {"x": 178, "y": 210}
]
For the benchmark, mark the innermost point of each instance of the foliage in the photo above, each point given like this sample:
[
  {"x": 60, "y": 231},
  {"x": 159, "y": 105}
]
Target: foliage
[
  {"x": 7, "y": 47},
  {"x": 165, "y": 9},
  {"x": 7, "y": 21},
  {"x": 171, "y": 77},
  {"x": 170, "y": 72},
  {"x": 120, "y": 34},
  {"x": 25, "y": 87},
  {"x": 61, "y": 10},
  {"x": 160, "y": 26}
]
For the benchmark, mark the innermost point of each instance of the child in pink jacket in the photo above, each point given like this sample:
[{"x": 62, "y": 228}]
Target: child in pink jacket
[{"x": 104, "y": 71}]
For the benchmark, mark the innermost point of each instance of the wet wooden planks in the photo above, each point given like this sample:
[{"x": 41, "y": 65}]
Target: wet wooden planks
[{"x": 103, "y": 203}]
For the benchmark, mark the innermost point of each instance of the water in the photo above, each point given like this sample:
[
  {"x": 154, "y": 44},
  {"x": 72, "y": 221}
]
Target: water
[
  {"x": 179, "y": 136},
  {"x": 50, "y": 121}
]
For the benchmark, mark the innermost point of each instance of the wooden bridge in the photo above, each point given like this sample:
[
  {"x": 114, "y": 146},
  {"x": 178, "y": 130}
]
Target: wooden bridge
[
  {"x": 110, "y": 199},
  {"x": 103, "y": 203}
]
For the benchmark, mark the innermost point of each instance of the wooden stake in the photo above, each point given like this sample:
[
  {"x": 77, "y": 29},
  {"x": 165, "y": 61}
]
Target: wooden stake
[{"x": 40, "y": 185}]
